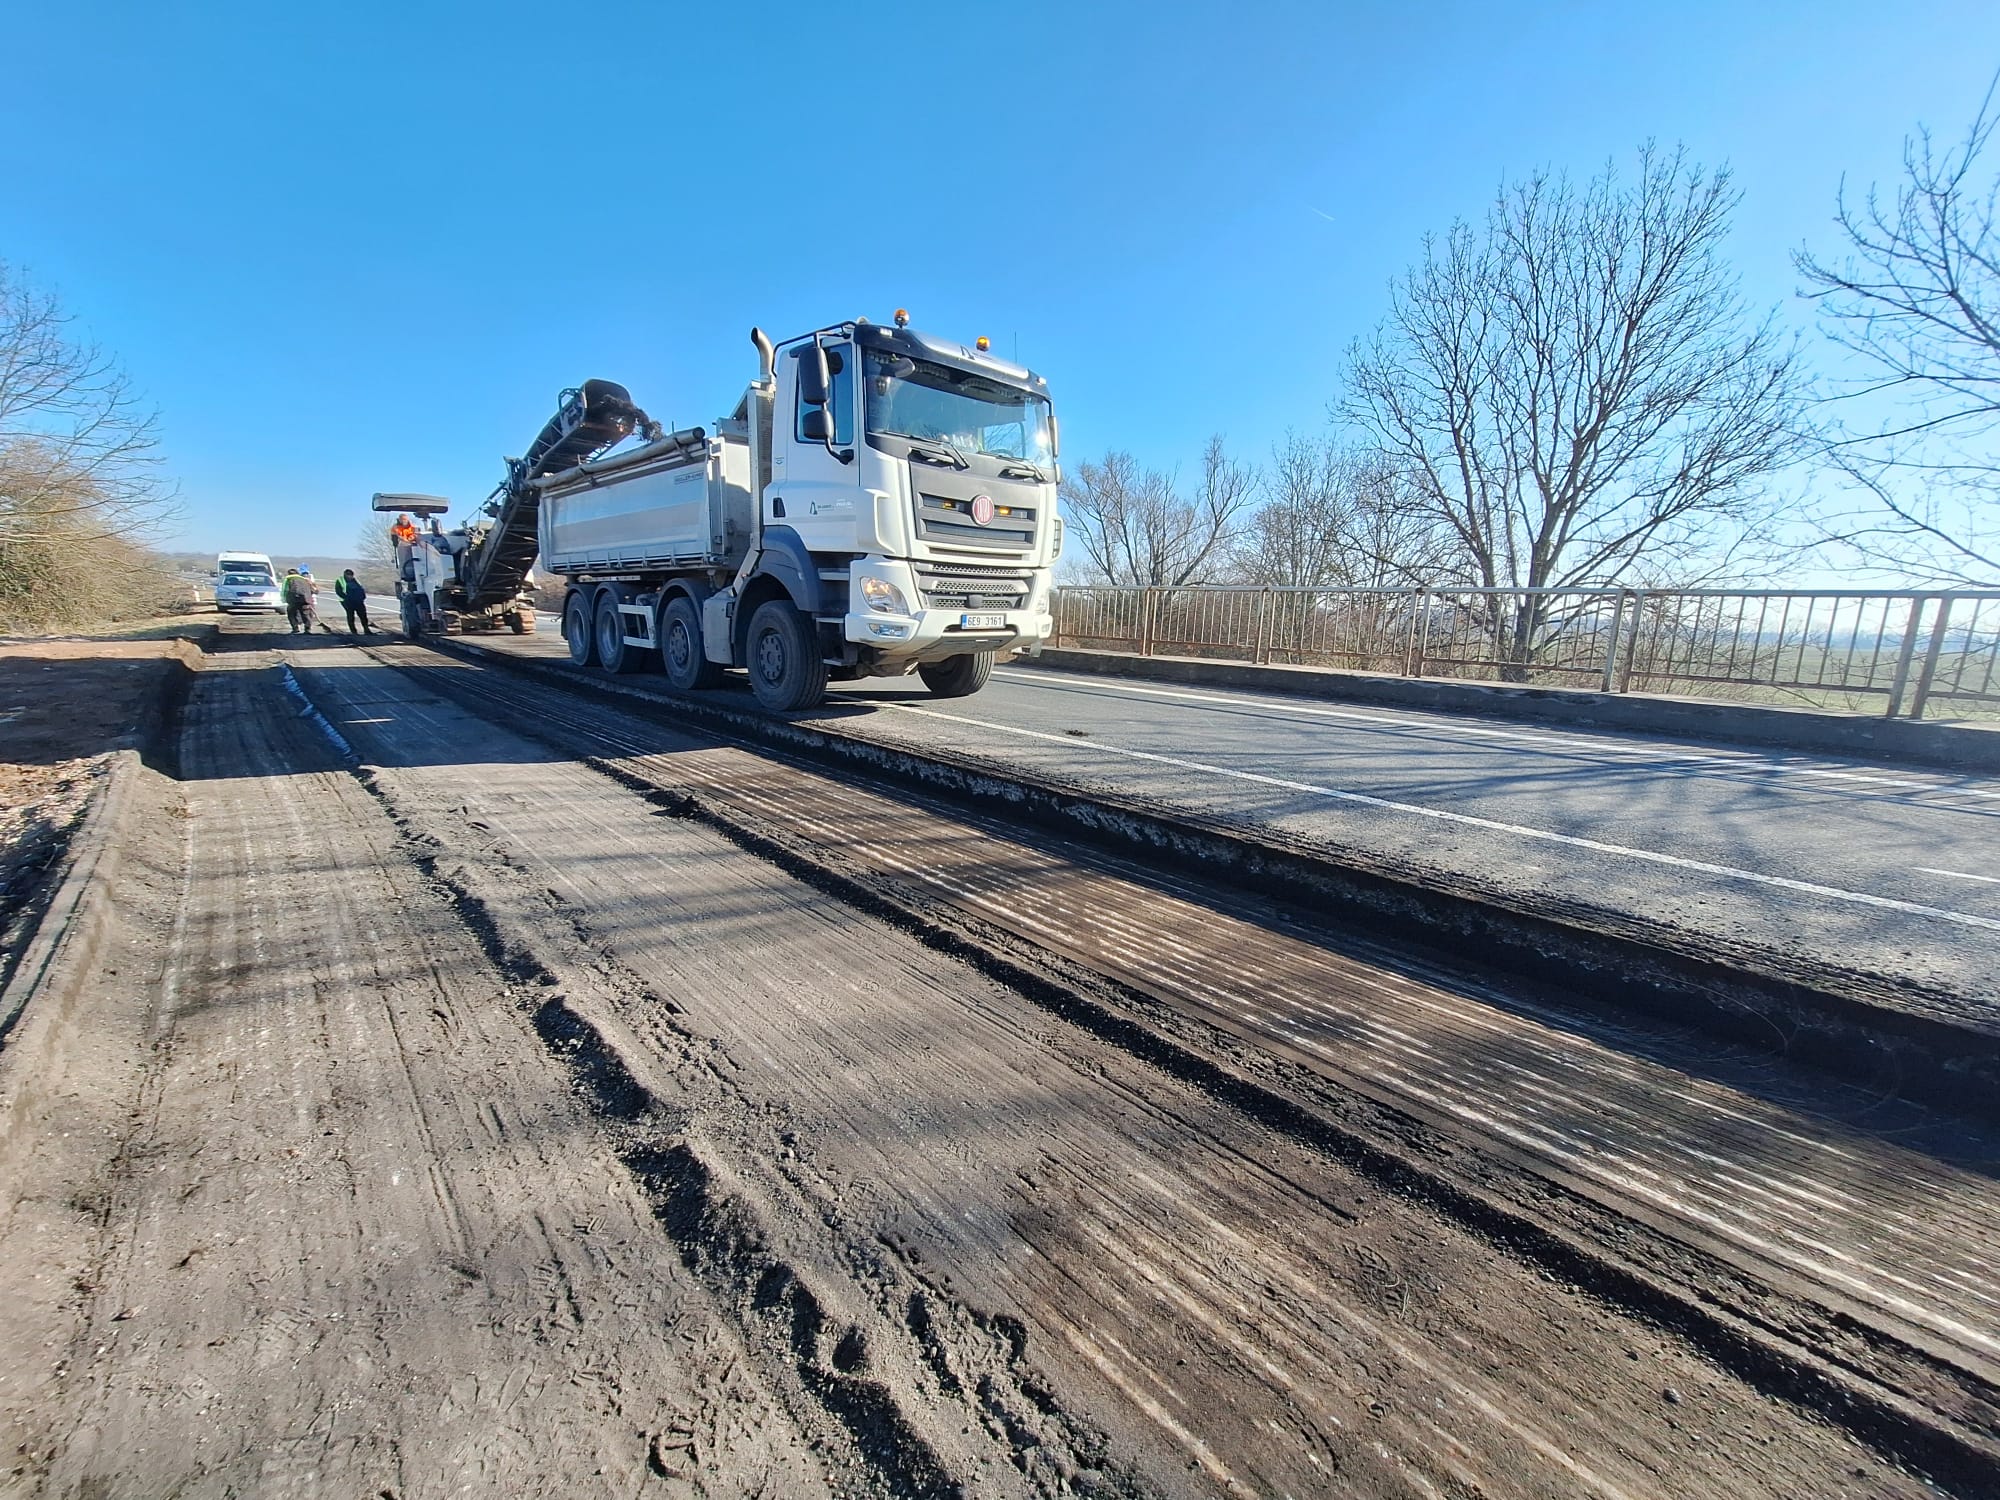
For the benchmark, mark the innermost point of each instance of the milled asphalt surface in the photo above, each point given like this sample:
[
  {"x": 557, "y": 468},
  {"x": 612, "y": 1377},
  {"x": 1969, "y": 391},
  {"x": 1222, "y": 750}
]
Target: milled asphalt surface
[
  {"x": 1059, "y": 1257},
  {"x": 1883, "y": 870}
]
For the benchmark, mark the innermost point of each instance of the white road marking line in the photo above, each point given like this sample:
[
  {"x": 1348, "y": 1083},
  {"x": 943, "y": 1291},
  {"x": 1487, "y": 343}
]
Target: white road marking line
[
  {"x": 1957, "y": 874},
  {"x": 1419, "y": 720},
  {"x": 1649, "y": 856},
  {"x": 1667, "y": 756}
]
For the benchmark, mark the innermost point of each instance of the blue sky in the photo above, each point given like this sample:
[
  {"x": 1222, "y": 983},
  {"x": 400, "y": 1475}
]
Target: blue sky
[{"x": 362, "y": 246}]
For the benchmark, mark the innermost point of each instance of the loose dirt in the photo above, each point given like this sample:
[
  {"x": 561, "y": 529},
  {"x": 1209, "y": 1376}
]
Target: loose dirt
[
  {"x": 65, "y": 705},
  {"x": 61, "y": 700}
]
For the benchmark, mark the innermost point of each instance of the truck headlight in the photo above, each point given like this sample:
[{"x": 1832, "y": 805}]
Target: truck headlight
[{"x": 883, "y": 596}]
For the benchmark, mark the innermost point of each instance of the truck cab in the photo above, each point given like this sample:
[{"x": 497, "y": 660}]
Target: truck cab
[{"x": 907, "y": 503}]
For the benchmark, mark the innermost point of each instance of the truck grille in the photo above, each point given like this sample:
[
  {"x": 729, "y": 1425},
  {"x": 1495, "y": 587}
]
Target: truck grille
[
  {"x": 950, "y": 523},
  {"x": 957, "y": 587}
]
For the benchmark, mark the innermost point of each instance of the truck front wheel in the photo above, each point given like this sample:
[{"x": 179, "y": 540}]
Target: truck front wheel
[
  {"x": 680, "y": 647},
  {"x": 957, "y": 676},
  {"x": 577, "y": 628},
  {"x": 787, "y": 672}
]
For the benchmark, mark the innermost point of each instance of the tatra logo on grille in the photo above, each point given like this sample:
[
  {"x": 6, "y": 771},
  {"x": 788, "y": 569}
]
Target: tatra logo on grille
[{"x": 982, "y": 510}]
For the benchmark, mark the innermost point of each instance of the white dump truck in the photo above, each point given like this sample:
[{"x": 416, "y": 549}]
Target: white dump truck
[{"x": 879, "y": 502}]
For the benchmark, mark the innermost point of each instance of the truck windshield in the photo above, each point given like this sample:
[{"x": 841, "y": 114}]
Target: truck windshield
[{"x": 934, "y": 403}]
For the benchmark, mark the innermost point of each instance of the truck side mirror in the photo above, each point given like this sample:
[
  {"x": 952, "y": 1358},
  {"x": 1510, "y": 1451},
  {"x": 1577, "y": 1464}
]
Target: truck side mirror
[
  {"x": 818, "y": 426},
  {"x": 814, "y": 377}
]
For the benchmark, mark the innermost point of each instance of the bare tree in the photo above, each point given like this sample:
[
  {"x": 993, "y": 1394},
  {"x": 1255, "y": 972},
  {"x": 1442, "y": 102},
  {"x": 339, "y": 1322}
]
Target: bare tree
[
  {"x": 1335, "y": 517},
  {"x": 374, "y": 547},
  {"x": 1573, "y": 387},
  {"x": 81, "y": 450},
  {"x": 1298, "y": 537},
  {"x": 1137, "y": 528},
  {"x": 1917, "y": 301},
  {"x": 57, "y": 566},
  {"x": 78, "y": 475}
]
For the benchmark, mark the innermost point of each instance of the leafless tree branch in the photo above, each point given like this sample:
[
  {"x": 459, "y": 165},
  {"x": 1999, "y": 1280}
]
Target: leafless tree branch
[
  {"x": 1334, "y": 517},
  {"x": 1916, "y": 299},
  {"x": 80, "y": 491}
]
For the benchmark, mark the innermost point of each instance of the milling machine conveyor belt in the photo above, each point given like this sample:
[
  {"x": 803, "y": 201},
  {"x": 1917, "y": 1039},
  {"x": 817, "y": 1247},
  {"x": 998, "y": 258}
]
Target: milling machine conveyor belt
[{"x": 591, "y": 419}]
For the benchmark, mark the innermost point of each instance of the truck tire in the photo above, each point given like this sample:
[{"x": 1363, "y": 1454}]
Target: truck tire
[
  {"x": 577, "y": 629},
  {"x": 521, "y": 621},
  {"x": 680, "y": 647},
  {"x": 786, "y": 670},
  {"x": 416, "y": 616},
  {"x": 957, "y": 676},
  {"x": 614, "y": 657}
]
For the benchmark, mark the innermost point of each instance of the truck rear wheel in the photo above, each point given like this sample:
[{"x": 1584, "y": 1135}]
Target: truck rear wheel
[
  {"x": 418, "y": 621},
  {"x": 786, "y": 670},
  {"x": 680, "y": 647},
  {"x": 957, "y": 676},
  {"x": 613, "y": 655},
  {"x": 521, "y": 621},
  {"x": 577, "y": 629}
]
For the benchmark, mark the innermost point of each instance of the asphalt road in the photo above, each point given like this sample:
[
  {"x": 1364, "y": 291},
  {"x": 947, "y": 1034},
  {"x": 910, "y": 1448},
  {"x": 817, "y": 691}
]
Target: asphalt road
[
  {"x": 1884, "y": 870},
  {"x": 1880, "y": 869}
]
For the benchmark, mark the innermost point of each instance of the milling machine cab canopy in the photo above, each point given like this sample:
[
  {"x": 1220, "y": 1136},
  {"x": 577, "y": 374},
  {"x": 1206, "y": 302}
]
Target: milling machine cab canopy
[{"x": 416, "y": 505}]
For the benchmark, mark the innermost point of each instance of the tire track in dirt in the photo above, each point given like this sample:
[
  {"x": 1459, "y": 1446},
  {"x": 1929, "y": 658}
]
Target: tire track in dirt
[{"x": 1272, "y": 1319}]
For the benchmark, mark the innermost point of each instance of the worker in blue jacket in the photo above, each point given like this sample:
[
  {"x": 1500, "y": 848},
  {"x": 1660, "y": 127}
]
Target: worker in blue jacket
[{"x": 353, "y": 597}]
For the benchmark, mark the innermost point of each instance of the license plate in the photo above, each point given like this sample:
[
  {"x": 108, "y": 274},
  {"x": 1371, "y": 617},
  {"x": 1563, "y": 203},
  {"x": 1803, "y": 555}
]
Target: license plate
[{"x": 982, "y": 622}]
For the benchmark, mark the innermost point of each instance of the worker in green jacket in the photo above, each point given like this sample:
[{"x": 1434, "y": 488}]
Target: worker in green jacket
[{"x": 353, "y": 597}]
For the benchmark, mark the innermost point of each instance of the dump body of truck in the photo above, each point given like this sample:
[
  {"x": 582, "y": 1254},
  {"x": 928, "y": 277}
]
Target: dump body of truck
[{"x": 681, "y": 502}]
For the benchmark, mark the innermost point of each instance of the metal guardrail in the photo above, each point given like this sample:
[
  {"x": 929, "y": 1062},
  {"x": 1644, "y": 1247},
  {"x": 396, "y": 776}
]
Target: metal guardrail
[{"x": 1909, "y": 652}]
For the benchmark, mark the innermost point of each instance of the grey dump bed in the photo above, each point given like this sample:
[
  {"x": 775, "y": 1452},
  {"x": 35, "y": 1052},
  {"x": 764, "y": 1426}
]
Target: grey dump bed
[{"x": 682, "y": 502}]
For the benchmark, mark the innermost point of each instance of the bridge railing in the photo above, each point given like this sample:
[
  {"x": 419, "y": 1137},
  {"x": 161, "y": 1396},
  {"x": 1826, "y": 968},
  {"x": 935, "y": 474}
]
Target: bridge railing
[{"x": 1899, "y": 653}]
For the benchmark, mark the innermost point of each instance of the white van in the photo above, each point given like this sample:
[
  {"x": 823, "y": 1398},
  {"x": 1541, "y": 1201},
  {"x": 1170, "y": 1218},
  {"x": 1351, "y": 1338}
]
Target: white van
[{"x": 246, "y": 580}]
